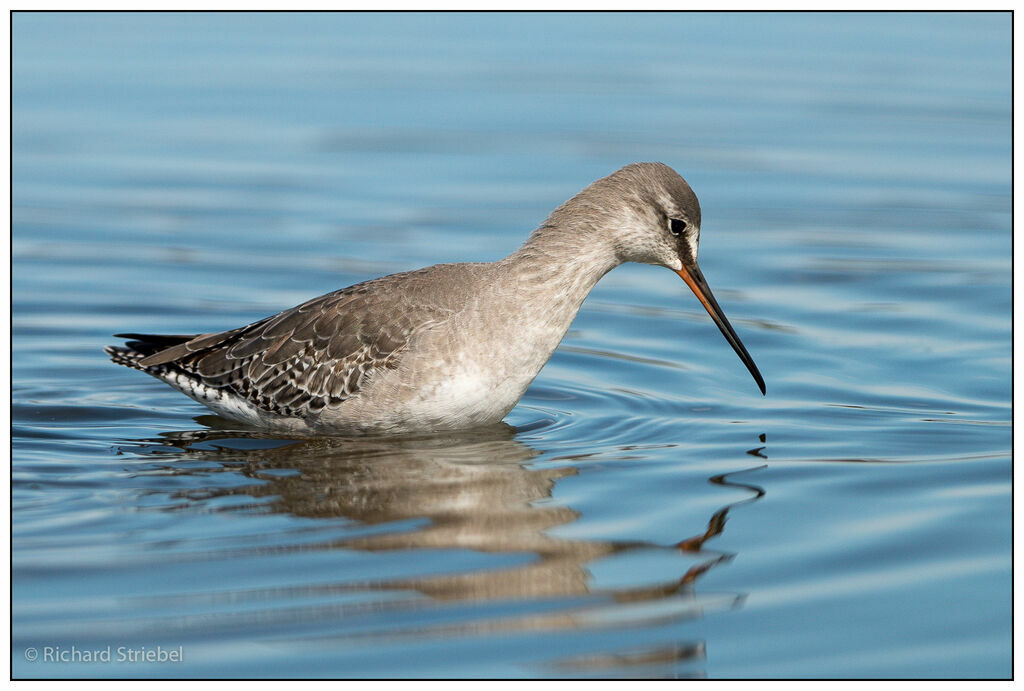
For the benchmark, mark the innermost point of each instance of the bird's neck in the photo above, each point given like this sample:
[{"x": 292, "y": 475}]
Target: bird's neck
[{"x": 558, "y": 265}]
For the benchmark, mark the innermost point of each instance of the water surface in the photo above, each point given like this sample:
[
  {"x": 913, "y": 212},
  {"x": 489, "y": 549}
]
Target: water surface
[{"x": 644, "y": 512}]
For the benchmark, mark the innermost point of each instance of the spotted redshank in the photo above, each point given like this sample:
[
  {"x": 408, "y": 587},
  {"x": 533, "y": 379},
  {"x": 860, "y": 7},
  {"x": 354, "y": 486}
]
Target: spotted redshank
[{"x": 446, "y": 347}]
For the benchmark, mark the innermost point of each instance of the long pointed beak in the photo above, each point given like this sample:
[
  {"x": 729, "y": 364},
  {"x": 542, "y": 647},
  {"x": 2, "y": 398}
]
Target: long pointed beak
[{"x": 695, "y": 279}]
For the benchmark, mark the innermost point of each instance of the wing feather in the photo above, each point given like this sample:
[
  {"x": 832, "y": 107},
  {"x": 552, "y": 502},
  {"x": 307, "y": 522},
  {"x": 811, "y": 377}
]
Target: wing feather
[{"x": 304, "y": 359}]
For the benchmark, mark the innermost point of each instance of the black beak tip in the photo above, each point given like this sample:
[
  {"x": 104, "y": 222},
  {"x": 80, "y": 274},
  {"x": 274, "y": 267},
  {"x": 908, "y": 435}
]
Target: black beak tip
[{"x": 760, "y": 380}]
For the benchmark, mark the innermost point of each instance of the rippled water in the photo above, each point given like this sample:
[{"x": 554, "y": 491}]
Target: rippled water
[{"x": 645, "y": 512}]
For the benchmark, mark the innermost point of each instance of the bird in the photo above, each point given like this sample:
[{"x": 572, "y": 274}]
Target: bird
[{"x": 446, "y": 347}]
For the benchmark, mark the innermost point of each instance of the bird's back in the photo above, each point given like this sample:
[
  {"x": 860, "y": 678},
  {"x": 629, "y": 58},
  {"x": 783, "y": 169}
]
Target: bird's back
[{"x": 308, "y": 359}]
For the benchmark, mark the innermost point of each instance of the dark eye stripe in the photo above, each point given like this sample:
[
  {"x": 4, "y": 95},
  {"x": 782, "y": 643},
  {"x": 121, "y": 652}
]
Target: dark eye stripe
[{"x": 677, "y": 226}]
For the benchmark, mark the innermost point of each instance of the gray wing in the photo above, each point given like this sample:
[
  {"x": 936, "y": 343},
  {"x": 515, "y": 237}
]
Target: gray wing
[{"x": 306, "y": 358}]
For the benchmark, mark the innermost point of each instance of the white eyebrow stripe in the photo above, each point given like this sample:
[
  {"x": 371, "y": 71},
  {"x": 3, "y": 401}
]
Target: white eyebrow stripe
[{"x": 693, "y": 239}]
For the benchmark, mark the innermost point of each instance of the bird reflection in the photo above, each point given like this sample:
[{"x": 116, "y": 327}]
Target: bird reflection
[{"x": 474, "y": 491}]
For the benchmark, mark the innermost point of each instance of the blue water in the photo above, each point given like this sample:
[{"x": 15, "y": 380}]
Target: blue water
[{"x": 646, "y": 513}]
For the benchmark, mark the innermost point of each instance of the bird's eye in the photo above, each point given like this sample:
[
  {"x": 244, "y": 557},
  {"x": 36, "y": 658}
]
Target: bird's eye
[{"x": 677, "y": 226}]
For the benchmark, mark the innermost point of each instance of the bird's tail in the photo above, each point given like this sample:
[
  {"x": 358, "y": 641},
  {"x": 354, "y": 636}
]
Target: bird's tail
[{"x": 141, "y": 346}]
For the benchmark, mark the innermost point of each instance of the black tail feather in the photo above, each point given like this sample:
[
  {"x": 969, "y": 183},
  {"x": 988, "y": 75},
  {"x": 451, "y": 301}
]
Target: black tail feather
[
  {"x": 162, "y": 340},
  {"x": 141, "y": 346}
]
